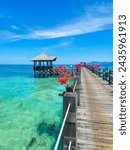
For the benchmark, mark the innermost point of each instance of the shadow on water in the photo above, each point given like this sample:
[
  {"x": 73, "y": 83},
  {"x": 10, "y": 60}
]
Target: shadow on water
[
  {"x": 43, "y": 127},
  {"x": 51, "y": 130},
  {"x": 32, "y": 141}
]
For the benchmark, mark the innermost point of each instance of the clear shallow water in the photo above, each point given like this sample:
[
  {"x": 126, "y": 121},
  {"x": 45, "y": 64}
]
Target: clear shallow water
[{"x": 30, "y": 109}]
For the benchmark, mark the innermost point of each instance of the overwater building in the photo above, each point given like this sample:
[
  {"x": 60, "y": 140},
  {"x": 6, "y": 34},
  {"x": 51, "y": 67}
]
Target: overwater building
[{"x": 43, "y": 66}]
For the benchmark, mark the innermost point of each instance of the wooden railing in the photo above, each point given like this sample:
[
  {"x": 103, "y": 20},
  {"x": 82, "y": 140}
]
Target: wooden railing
[
  {"x": 42, "y": 67},
  {"x": 105, "y": 74},
  {"x": 69, "y": 125},
  {"x": 62, "y": 127}
]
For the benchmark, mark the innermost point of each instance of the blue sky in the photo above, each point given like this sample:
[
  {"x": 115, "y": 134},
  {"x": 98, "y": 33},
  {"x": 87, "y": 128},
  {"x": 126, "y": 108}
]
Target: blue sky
[{"x": 72, "y": 30}]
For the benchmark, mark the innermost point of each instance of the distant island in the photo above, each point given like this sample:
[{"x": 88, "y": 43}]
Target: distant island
[{"x": 103, "y": 64}]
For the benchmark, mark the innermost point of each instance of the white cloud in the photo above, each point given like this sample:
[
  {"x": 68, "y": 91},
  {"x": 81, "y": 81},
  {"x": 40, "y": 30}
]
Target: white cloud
[
  {"x": 81, "y": 26},
  {"x": 9, "y": 36},
  {"x": 94, "y": 19},
  {"x": 14, "y": 27},
  {"x": 103, "y": 8},
  {"x": 59, "y": 45}
]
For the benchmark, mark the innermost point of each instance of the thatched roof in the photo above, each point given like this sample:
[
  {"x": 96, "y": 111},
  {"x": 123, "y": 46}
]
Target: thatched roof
[{"x": 43, "y": 57}]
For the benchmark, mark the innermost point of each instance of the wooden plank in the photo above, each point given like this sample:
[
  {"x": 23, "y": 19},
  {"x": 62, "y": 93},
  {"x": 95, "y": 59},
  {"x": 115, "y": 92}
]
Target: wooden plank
[{"x": 94, "y": 116}]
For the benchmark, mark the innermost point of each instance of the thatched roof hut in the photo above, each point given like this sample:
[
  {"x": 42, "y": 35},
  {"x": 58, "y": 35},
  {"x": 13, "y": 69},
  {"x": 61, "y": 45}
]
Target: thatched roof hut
[
  {"x": 43, "y": 65},
  {"x": 44, "y": 57}
]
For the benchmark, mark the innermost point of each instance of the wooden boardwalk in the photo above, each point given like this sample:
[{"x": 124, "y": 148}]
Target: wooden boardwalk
[{"x": 95, "y": 114}]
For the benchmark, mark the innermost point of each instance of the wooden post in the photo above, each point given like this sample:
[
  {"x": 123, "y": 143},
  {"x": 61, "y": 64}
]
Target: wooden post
[
  {"x": 40, "y": 66},
  {"x": 110, "y": 77},
  {"x": 34, "y": 68},
  {"x": 78, "y": 79},
  {"x": 104, "y": 73},
  {"x": 99, "y": 72},
  {"x": 47, "y": 64},
  {"x": 34, "y": 64},
  {"x": 77, "y": 90},
  {"x": 70, "y": 128},
  {"x": 50, "y": 63},
  {"x": 79, "y": 74}
]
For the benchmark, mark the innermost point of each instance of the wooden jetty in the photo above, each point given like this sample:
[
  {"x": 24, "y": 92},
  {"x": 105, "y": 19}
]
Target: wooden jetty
[
  {"x": 88, "y": 114},
  {"x": 95, "y": 114}
]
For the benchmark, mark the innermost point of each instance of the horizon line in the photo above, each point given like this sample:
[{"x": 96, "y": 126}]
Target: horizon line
[{"x": 59, "y": 63}]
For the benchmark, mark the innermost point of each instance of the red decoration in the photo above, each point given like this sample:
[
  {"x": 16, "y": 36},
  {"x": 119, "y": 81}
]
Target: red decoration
[
  {"x": 78, "y": 66},
  {"x": 55, "y": 73},
  {"x": 63, "y": 78},
  {"x": 64, "y": 75},
  {"x": 89, "y": 65},
  {"x": 97, "y": 66}
]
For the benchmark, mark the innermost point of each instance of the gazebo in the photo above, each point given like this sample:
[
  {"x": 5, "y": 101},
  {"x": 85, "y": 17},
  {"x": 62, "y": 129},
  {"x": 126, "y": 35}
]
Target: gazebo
[{"x": 43, "y": 65}]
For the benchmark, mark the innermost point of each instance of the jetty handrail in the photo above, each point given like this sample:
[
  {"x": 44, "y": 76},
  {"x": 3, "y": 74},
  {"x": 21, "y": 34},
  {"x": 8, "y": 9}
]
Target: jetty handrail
[
  {"x": 69, "y": 145},
  {"x": 75, "y": 86},
  {"x": 105, "y": 74},
  {"x": 62, "y": 127}
]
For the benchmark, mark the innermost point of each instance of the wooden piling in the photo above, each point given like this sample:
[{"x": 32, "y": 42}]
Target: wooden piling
[
  {"x": 70, "y": 129},
  {"x": 110, "y": 77},
  {"x": 77, "y": 89},
  {"x": 99, "y": 72}
]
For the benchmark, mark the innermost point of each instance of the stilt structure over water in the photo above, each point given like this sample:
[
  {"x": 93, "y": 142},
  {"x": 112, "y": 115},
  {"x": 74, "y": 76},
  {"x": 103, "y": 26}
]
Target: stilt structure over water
[{"x": 43, "y": 66}]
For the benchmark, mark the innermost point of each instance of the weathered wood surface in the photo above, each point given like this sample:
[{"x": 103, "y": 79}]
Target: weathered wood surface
[{"x": 95, "y": 119}]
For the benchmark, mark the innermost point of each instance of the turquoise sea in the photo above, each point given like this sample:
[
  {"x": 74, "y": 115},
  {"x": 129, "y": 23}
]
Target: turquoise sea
[{"x": 30, "y": 109}]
